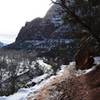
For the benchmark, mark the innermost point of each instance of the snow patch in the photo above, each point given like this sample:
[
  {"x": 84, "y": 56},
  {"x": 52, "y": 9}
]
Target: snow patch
[
  {"x": 46, "y": 67},
  {"x": 39, "y": 79},
  {"x": 24, "y": 92},
  {"x": 43, "y": 81}
]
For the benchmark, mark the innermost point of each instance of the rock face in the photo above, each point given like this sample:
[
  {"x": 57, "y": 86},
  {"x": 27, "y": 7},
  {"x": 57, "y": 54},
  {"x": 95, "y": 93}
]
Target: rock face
[
  {"x": 46, "y": 35},
  {"x": 51, "y": 26},
  {"x": 39, "y": 30}
]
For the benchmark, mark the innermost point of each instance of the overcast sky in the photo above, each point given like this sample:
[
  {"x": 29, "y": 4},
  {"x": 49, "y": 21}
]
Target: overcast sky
[{"x": 14, "y": 14}]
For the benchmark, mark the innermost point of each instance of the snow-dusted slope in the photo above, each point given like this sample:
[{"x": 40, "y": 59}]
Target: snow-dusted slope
[
  {"x": 51, "y": 88},
  {"x": 24, "y": 92}
]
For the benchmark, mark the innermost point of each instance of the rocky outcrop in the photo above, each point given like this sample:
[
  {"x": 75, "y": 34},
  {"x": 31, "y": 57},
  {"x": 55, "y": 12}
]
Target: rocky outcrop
[
  {"x": 50, "y": 27},
  {"x": 41, "y": 28},
  {"x": 47, "y": 34},
  {"x": 38, "y": 29}
]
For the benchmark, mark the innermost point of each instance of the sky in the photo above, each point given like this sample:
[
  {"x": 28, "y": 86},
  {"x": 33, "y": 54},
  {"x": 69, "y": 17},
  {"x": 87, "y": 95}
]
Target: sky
[{"x": 14, "y": 14}]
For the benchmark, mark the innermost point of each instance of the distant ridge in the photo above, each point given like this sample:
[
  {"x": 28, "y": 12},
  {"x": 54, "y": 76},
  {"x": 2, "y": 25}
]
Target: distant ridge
[{"x": 1, "y": 44}]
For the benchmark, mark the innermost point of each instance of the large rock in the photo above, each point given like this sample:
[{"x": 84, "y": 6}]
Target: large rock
[
  {"x": 35, "y": 30},
  {"x": 41, "y": 28}
]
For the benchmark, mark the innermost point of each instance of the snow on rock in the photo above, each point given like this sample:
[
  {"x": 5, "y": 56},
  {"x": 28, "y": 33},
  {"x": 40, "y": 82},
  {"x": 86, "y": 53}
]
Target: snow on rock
[
  {"x": 39, "y": 79},
  {"x": 44, "y": 66},
  {"x": 20, "y": 95},
  {"x": 23, "y": 93},
  {"x": 61, "y": 86}
]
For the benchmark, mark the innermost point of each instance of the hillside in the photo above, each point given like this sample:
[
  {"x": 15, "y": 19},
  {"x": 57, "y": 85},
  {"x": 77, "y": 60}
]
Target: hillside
[
  {"x": 51, "y": 28},
  {"x": 49, "y": 34},
  {"x": 67, "y": 84}
]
